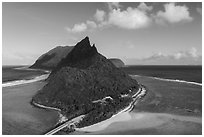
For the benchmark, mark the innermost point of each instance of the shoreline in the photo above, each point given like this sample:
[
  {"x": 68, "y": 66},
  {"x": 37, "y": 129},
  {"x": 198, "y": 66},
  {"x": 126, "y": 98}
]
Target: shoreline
[
  {"x": 26, "y": 81},
  {"x": 21, "y": 82},
  {"x": 105, "y": 123},
  {"x": 62, "y": 118},
  {"x": 127, "y": 109},
  {"x": 27, "y": 68},
  {"x": 170, "y": 80}
]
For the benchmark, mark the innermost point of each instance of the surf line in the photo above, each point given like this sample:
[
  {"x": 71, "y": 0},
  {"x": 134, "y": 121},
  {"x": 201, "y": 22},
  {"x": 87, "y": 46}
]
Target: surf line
[
  {"x": 171, "y": 80},
  {"x": 20, "y": 82}
]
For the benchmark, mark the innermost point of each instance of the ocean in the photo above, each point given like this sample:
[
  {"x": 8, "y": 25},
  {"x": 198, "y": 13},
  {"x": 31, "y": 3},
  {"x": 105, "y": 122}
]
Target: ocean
[
  {"x": 178, "y": 87},
  {"x": 19, "y": 117},
  {"x": 177, "y": 73}
]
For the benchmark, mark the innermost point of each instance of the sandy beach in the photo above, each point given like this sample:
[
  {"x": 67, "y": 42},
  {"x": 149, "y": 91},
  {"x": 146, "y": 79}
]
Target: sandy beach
[{"x": 149, "y": 123}]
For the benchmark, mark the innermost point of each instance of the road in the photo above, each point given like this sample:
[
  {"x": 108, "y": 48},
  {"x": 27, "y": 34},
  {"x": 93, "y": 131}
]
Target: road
[
  {"x": 68, "y": 123},
  {"x": 138, "y": 95}
]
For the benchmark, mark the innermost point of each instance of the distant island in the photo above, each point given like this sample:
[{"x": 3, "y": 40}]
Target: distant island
[
  {"x": 51, "y": 59},
  {"x": 86, "y": 83}
]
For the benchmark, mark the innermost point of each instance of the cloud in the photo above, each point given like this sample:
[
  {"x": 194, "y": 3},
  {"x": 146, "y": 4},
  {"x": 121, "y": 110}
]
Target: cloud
[
  {"x": 91, "y": 24},
  {"x": 77, "y": 28},
  {"x": 81, "y": 27},
  {"x": 199, "y": 10},
  {"x": 191, "y": 53},
  {"x": 112, "y": 5},
  {"x": 144, "y": 7},
  {"x": 174, "y": 14},
  {"x": 132, "y": 18},
  {"x": 100, "y": 15},
  {"x": 188, "y": 57}
]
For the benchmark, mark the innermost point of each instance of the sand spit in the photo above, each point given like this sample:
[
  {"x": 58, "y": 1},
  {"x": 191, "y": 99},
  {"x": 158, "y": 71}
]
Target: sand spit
[{"x": 20, "y": 82}]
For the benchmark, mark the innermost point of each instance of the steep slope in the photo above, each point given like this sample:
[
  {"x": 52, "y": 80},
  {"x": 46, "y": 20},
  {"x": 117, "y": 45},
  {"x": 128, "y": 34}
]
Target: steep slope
[
  {"x": 83, "y": 77},
  {"x": 50, "y": 59},
  {"x": 117, "y": 62}
]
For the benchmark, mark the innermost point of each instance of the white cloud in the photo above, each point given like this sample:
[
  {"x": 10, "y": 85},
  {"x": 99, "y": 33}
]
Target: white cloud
[
  {"x": 112, "y": 5},
  {"x": 81, "y": 27},
  {"x": 174, "y": 13},
  {"x": 77, "y": 28},
  {"x": 187, "y": 57},
  {"x": 189, "y": 53},
  {"x": 178, "y": 55},
  {"x": 100, "y": 15},
  {"x": 132, "y": 18},
  {"x": 193, "y": 52},
  {"x": 91, "y": 24},
  {"x": 199, "y": 10},
  {"x": 144, "y": 7}
]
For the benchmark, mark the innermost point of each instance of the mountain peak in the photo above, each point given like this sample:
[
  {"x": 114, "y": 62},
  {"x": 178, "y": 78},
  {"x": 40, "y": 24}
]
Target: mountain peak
[
  {"x": 84, "y": 43},
  {"x": 83, "y": 77},
  {"x": 82, "y": 53}
]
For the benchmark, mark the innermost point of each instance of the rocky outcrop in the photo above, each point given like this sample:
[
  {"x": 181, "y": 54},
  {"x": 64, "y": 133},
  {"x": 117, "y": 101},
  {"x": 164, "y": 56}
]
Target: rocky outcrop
[{"x": 83, "y": 76}]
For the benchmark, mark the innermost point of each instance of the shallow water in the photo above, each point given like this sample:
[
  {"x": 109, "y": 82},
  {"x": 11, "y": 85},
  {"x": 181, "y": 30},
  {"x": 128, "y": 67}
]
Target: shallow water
[
  {"x": 164, "y": 113},
  {"x": 154, "y": 123},
  {"x": 19, "y": 116}
]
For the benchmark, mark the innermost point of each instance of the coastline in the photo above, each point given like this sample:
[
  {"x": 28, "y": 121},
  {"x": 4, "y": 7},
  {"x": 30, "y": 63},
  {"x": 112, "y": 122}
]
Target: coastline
[
  {"x": 103, "y": 124},
  {"x": 116, "y": 117},
  {"x": 20, "y": 82},
  {"x": 27, "y": 68},
  {"x": 170, "y": 80},
  {"x": 62, "y": 118},
  {"x": 26, "y": 81},
  {"x": 19, "y": 117}
]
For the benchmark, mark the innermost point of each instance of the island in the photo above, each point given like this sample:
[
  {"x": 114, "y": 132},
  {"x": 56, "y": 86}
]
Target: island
[
  {"x": 50, "y": 59},
  {"x": 87, "y": 84}
]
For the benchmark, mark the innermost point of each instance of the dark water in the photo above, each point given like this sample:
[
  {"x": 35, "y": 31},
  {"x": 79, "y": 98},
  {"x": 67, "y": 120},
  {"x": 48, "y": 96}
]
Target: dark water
[
  {"x": 10, "y": 73},
  {"x": 187, "y": 73}
]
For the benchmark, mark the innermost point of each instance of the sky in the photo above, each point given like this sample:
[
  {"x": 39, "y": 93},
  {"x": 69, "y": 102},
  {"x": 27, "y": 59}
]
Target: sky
[{"x": 137, "y": 33}]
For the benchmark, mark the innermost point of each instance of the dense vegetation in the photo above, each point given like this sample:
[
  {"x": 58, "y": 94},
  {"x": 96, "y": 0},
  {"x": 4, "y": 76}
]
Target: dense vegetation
[
  {"x": 50, "y": 59},
  {"x": 83, "y": 77}
]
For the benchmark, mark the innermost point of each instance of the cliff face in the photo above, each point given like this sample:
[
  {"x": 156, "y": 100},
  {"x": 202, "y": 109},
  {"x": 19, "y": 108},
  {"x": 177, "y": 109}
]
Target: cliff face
[
  {"x": 82, "y": 77},
  {"x": 50, "y": 59}
]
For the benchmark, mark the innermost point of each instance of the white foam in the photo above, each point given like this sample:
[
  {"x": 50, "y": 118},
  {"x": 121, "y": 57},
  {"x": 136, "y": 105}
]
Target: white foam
[
  {"x": 42, "y": 106},
  {"x": 26, "y": 68},
  {"x": 176, "y": 80},
  {"x": 173, "y": 80},
  {"x": 20, "y": 82}
]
